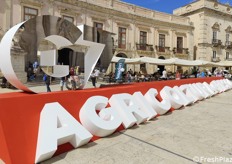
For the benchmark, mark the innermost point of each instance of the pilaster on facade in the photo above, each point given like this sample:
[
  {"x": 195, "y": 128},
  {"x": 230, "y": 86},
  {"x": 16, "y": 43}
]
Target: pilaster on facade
[
  {"x": 190, "y": 42},
  {"x": 202, "y": 29},
  {"x": 173, "y": 39},
  {"x": 171, "y": 34}
]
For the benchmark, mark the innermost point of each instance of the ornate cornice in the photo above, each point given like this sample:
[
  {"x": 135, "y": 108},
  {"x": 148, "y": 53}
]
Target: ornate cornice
[
  {"x": 67, "y": 11},
  {"x": 216, "y": 26},
  {"x": 123, "y": 24},
  {"x": 37, "y": 3},
  {"x": 163, "y": 31},
  {"x": 144, "y": 28},
  {"x": 101, "y": 19},
  {"x": 181, "y": 34},
  {"x": 228, "y": 29},
  {"x": 110, "y": 11},
  {"x": 204, "y": 45}
]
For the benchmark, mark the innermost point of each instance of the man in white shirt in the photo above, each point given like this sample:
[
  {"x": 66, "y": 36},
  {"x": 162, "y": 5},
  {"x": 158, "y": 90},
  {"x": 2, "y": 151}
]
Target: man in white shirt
[
  {"x": 96, "y": 73},
  {"x": 164, "y": 75}
]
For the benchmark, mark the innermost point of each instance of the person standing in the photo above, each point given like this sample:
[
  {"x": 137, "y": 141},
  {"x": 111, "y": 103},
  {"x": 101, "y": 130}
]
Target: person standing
[
  {"x": 46, "y": 79},
  {"x": 62, "y": 83},
  {"x": 93, "y": 79},
  {"x": 96, "y": 73},
  {"x": 77, "y": 70},
  {"x": 209, "y": 74},
  {"x": 164, "y": 75},
  {"x": 202, "y": 73},
  {"x": 71, "y": 76},
  {"x": 178, "y": 75}
]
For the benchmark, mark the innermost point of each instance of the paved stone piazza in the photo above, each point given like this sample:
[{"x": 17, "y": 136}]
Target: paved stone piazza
[{"x": 202, "y": 130}]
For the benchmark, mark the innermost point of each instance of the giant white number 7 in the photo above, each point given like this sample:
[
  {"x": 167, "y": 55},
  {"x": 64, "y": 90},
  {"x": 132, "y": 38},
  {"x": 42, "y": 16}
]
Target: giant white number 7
[{"x": 92, "y": 54}]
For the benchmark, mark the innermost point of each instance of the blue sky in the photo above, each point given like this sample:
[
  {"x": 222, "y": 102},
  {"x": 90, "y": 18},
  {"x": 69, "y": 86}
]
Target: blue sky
[{"x": 166, "y": 6}]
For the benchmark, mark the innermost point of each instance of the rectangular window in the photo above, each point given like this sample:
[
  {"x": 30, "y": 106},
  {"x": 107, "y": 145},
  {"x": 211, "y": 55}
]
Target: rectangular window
[
  {"x": 214, "y": 35},
  {"x": 161, "y": 43},
  {"x": 98, "y": 25},
  {"x": 121, "y": 37},
  {"x": 179, "y": 45},
  {"x": 70, "y": 19},
  {"x": 143, "y": 40},
  {"x": 227, "y": 55},
  {"x": 227, "y": 37},
  {"x": 214, "y": 54},
  {"x": 29, "y": 13},
  {"x": 143, "y": 37}
]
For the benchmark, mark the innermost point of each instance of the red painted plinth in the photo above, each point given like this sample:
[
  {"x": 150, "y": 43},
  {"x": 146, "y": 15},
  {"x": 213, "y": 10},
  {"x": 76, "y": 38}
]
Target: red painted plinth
[{"x": 20, "y": 114}]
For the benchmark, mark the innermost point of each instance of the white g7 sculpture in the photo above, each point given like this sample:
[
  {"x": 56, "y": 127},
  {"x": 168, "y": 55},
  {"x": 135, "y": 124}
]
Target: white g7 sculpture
[{"x": 61, "y": 33}]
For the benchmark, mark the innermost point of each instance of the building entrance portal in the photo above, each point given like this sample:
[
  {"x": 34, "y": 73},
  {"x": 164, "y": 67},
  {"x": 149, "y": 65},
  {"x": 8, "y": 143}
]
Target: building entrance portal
[{"x": 161, "y": 67}]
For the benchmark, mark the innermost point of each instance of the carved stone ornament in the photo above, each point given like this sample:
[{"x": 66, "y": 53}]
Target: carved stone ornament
[{"x": 216, "y": 26}]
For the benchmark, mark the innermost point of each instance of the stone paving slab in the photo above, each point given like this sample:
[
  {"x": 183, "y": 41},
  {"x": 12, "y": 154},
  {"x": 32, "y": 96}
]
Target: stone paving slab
[{"x": 203, "y": 129}]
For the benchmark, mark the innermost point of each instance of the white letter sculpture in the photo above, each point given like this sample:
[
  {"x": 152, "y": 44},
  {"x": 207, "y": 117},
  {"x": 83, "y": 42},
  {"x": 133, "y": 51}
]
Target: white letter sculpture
[
  {"x": 57, "y": 127},
  {"x": 103, "y": 124}
]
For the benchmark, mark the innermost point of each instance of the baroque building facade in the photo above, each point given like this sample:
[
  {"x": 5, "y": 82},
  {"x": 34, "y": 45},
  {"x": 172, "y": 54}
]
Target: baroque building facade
[
  {"x": 136, "y": 31},
  {"x": 212, "y": 29}
]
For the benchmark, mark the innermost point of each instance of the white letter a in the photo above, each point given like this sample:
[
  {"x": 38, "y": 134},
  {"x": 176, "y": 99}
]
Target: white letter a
[{"x": 57, "y": 127}]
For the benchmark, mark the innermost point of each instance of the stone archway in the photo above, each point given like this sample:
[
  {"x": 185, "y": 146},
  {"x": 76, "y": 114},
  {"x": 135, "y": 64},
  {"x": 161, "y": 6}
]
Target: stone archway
[
  {"x": 68, "y": 56},
  {"x": 122, "y": 55},
  {"x": 63, "y": 56}
]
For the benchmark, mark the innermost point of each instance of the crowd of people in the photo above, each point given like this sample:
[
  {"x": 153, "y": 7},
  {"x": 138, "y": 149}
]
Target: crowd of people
[
  {"x": 131, "y": 76},
  {"x": 74, "y": 81}
]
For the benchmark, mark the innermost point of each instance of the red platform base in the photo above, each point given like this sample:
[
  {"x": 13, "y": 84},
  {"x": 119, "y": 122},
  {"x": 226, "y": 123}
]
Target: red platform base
[{"x": 20, "y": 114}]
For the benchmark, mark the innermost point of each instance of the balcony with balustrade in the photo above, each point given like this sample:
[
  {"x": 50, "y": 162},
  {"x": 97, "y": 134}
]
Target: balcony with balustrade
[
  {"x": 228, "y": 45},
  {"x": 181, "y": 53},
  {"x": 216, "y": 43},
  {"x": 164, "y": 51},
  {"x": 161, "y": 49},
  {"x": 215, "y": 59},
  {"x": 144, "y": 47},
  {"x": 228, "y": 59}
]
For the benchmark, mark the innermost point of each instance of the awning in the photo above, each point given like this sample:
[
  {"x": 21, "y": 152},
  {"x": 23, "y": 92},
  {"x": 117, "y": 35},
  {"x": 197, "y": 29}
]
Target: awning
[
  {"x": 127, "y": 60},
  {"x": 173, "y": 61}
]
